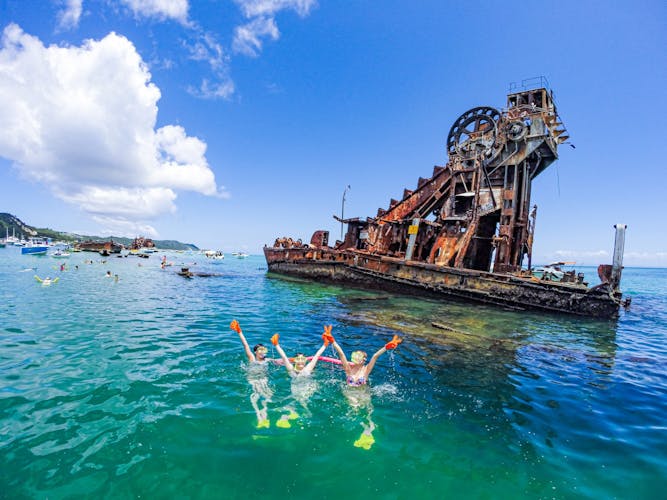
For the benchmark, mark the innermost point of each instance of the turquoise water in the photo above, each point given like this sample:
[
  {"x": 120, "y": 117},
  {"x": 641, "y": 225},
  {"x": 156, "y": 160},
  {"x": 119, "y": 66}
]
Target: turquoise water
[{"x": 138, "y": 388}]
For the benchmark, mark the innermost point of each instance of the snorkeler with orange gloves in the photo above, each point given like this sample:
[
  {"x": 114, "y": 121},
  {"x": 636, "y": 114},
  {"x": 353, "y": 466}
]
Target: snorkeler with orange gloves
[
  {"x": 299, "y": 368},
  {"x": 303, "y": 387},
  {"x": 257, "y": 377},
  {"x": 357, "y": 373}
]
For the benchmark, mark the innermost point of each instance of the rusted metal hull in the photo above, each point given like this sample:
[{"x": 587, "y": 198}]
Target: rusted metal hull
[
  {"x": 387, "y": 273},
  {"x": 465, "y": 231},
  {"x": 99, "y": 246}
]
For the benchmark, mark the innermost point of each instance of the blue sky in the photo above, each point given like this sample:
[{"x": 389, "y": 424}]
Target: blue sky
[{"x": 227, "y": 123}]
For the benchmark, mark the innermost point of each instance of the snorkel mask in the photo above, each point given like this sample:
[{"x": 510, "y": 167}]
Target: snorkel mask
[
  {"x": 260, "y": 350},
  {"x": 358, "y": 357},
  {"x": 299, "y": 361}
]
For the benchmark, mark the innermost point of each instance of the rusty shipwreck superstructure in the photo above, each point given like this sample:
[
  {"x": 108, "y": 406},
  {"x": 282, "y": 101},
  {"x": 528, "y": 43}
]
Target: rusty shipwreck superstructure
[{"x": 467, "y": 230}]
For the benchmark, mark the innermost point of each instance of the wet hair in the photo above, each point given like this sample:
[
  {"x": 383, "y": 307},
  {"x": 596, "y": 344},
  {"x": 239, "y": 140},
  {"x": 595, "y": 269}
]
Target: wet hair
[
  {"x": 254, "y": 349},
  {"x": 355, "y": 354}
]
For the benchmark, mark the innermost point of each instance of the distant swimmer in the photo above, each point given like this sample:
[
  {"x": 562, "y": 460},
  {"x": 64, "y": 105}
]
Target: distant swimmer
[
  {"x": 186, "y": 273},
  {"x": 108, "y": 275},
  {"x": 46, "y": 281}
]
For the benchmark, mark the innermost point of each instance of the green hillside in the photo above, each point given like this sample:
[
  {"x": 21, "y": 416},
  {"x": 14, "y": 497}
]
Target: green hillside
[{"x": 10, "y": 224}]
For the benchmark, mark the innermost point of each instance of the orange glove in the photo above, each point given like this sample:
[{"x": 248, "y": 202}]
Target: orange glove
[
  {"x": 234, "y": 325},
  {"x": 326, "y": 336},
  {"x": 394, "y": 343},
  {"x": 274, "y": 339}
]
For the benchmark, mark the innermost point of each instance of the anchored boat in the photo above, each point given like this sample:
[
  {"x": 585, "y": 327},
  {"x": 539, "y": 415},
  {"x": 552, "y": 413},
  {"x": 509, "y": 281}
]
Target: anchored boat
[
  {"x": 466, "y": 231},
  {"x": 35, "y": 246}
]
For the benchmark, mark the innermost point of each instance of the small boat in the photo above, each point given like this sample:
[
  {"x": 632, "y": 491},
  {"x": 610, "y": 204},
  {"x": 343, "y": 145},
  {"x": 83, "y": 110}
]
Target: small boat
[
  {"x": 214, "y": 254},
  {"x": 35, "y": 247},
  {"x": 240, "y": 255},
  {"x": 58, "y": 254},
  {"x": 12, "y": 240},
  {"x": 555, "y": 272}
]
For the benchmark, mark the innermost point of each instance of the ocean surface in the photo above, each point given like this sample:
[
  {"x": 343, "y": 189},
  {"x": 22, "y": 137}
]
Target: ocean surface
[{"x": 137, "y": 388}]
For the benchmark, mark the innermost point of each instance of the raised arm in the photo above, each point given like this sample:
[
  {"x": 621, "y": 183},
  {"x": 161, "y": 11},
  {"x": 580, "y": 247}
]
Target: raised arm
[
  {"x": 374, "y": 358},
  {"x": 308, "y": 369},
  {"x": 388, "y": 346},
  {"x": 328, "y": 339},
  {"x": 343, "y": 359},
  {"x": 288, "y": 365},
  {"x": 237, "y": 328}
]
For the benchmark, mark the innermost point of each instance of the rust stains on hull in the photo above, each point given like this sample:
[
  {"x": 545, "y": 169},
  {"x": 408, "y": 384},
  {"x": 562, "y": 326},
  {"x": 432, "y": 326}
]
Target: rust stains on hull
[
  {"x": 386, "y": 273},
  {"x": 468, "y": 230}
]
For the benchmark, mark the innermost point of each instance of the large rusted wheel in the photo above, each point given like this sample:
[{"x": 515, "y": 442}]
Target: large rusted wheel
[{"x": 474, "y": 133}]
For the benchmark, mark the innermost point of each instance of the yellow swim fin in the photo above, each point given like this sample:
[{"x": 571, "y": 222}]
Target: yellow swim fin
[
  {"x": 365, "y": 441},
  {"x": 284, "y": 423},
  {"x": 264, "y": 424}
]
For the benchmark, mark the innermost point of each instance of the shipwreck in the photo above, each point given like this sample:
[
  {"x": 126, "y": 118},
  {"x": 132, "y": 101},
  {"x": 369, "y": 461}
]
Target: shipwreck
[
  {"x": 102, "y": 247},
  {"x": 466, "y": 231}
]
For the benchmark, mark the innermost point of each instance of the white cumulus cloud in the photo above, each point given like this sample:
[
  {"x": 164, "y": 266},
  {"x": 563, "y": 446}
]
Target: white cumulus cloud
[{"x": 81, "y": 120}]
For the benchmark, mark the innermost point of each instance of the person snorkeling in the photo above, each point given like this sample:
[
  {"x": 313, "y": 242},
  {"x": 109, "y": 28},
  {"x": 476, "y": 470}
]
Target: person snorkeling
[
  {"x": 257, "y": 377},
  {"x": 357, "y": 373},
  {"x": 301, "y": 366},
  {"x": 302, "y": 386}
]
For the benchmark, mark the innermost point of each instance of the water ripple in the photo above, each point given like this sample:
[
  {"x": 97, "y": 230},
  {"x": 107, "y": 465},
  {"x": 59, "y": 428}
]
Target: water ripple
[{"x": 140, "y": 388}]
